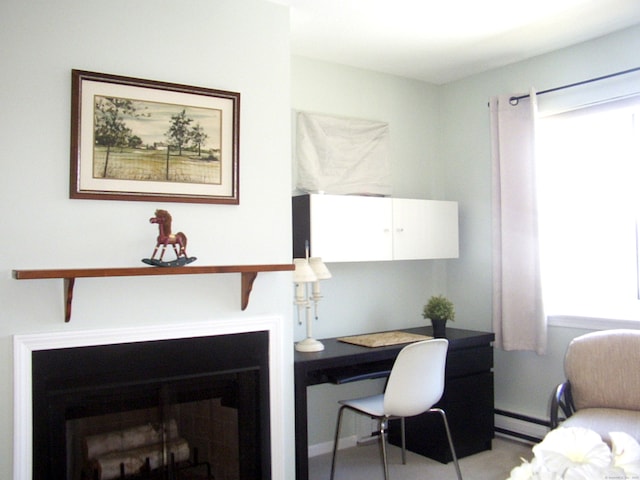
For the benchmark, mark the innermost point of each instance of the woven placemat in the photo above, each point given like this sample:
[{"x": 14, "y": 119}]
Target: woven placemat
[{"x": 384, "y": 339}]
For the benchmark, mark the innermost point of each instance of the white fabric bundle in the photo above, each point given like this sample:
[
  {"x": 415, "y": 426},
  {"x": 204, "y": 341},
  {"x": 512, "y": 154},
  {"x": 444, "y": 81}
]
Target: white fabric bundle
[{"x": 342, "y": 156}]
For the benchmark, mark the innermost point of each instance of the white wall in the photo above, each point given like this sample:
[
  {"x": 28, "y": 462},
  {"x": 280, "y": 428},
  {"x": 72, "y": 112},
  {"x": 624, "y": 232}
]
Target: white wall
[
  {"x": 524, "y": 381},
  {"x": 441, "y": 149},
  {"x": 237, "y": 45},
  {"x": 366, "y": 297}
]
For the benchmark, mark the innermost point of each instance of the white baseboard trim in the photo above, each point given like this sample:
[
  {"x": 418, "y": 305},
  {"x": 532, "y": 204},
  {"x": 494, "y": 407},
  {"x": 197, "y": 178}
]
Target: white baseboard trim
[
  {"x": 327, "y": 447},
  {"x": 516, "y": 427}
]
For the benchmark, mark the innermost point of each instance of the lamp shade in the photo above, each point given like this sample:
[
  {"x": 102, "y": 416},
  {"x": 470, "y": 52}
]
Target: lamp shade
[
  {"x": 303, "y": 271},
  {"x": 319, "y": 268}
]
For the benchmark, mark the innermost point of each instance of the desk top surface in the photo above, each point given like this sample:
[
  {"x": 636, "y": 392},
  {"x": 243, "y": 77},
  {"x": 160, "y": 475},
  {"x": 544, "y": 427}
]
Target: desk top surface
[{"x": 337, "y": 350}]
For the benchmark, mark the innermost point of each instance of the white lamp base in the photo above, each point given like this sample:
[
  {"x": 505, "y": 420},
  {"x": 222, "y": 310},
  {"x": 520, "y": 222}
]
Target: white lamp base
[{"x": 309, "y": 345}]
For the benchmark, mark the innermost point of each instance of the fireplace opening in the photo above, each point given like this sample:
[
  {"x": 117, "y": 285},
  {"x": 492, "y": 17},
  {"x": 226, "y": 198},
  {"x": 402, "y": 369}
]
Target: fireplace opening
[{"x": 194, "y": 408}]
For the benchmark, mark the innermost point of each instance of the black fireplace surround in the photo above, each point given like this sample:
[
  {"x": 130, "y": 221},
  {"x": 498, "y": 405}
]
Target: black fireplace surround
[{"x": 84, "y": 382}]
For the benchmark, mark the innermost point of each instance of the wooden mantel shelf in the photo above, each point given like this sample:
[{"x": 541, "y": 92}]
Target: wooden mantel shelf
[{"x": 248, "y": 273}]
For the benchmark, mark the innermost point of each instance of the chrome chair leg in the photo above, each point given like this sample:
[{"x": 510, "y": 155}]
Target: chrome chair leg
[
  {"x": 335, "y": 441},
  {"x": 404, "y": 441},
  {"x": 453, "y": 451},
  {"x": 382, "y": 427}
]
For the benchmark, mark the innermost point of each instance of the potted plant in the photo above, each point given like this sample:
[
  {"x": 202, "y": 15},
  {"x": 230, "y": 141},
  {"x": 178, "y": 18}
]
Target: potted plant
[{"x": 439, "y": 309}]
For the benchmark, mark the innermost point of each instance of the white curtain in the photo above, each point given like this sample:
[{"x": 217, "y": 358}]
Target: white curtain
[{"x": 518, "y": 317}]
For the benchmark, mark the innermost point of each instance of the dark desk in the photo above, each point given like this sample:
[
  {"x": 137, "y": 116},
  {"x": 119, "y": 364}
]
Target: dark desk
[{"x": 467, "y": 399}]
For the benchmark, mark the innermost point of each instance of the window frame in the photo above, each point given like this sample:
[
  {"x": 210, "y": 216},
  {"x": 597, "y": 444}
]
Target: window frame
[{"x": 600, "y": 322}]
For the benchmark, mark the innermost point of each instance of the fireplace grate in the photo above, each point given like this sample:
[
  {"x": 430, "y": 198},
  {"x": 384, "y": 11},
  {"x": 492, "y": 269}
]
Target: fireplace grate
[{"x": 192, "y": 469}]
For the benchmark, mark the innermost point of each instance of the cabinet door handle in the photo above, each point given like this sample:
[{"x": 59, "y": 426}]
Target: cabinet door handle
[{"x": 400, "y": 230}]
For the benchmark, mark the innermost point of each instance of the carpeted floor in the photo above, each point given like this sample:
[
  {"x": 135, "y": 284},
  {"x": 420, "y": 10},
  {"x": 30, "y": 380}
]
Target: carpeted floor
[{"x": 363, "y": 463}]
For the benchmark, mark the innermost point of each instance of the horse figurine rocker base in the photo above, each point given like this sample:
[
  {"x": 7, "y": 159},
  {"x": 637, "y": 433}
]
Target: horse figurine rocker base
[{"x": 178, "y": 241}]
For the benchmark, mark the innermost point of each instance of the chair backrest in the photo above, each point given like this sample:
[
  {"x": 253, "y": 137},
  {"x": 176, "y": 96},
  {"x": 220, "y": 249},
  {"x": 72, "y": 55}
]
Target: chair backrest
[
  {"x": 416, "y": 381},
  {"x": 604, "y": 369}
]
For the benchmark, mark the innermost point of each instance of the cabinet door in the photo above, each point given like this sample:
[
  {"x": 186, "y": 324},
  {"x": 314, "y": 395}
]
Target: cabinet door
[
  {"x": 350, "y": 228},
  {"x": 424, "y": 229}
]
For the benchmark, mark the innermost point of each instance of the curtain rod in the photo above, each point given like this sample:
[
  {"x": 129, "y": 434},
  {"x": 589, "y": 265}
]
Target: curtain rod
[{"x": 515, "y": 100}]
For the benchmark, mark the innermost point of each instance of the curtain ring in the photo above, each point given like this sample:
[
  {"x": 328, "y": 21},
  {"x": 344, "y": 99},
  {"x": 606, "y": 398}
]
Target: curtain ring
[{"x": 514, "y": 101}]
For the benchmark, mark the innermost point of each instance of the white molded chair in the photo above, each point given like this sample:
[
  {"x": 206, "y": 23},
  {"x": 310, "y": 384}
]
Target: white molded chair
[{"x": 415, "y": 384}]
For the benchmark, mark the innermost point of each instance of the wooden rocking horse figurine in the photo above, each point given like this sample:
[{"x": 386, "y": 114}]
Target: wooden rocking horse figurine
[{"x": 178, "y": 241}]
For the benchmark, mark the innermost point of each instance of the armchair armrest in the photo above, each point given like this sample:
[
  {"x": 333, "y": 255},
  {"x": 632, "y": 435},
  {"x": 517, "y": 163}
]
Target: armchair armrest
[{"x": 561, "y": 400}]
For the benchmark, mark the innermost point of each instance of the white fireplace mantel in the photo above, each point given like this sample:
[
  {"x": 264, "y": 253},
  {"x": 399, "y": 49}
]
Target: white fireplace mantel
[{"x": 24, "y": 345}]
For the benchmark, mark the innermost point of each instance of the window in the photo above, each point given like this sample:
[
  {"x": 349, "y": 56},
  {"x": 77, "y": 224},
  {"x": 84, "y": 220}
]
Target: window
[{"x": 589, "y": 195}]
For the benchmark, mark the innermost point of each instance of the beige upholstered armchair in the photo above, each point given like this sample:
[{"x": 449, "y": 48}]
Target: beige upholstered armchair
[{"x": 602, "y": 390}]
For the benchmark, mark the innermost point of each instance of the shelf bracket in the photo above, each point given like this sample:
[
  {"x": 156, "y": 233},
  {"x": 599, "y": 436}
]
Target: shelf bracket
[
  {"x": 246, "y": 287},
  {"x": 68, "y": 297}
]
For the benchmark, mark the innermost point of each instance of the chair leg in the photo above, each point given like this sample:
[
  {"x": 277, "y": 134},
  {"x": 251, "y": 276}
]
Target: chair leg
[
  {"x": 335, "y": 441},
  {"x": 404, "y": 441},
  {"x": 382, "y": 427},
  {"x": 453, "y": 451}
]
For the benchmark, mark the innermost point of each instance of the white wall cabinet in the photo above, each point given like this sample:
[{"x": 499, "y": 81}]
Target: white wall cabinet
[
  {"x": 349, "y": 228},
  {"x": 424, "y": 229}
]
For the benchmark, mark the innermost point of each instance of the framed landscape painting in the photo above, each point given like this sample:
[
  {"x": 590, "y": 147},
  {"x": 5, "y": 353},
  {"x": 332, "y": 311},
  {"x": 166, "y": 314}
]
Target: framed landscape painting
[{"x": 145, "y": 140}]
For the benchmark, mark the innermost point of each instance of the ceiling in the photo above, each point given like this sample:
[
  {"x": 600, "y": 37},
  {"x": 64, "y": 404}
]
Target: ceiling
[{"x": 439, "y": 41}]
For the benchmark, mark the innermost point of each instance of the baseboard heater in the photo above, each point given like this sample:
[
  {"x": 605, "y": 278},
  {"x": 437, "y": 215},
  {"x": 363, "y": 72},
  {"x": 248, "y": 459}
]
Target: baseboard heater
[{"x": 519, "y": 426}]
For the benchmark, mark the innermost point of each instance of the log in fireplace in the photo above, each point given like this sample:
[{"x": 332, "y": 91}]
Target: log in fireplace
[{"x": 191, "y": 408}]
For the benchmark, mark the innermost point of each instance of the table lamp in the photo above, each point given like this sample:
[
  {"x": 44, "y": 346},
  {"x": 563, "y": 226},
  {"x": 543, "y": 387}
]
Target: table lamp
[{"x": 308, "y": 270}]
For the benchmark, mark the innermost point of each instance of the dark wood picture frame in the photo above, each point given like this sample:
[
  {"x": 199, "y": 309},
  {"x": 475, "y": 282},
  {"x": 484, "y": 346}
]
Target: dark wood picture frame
[{"x": 145, "y": 140}]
